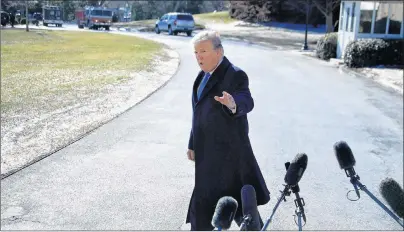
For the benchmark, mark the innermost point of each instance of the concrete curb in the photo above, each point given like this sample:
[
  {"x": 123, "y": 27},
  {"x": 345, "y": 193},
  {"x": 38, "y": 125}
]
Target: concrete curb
[
  {"x": 351, "y": 72},
  {"x": 79, "y": 137}
]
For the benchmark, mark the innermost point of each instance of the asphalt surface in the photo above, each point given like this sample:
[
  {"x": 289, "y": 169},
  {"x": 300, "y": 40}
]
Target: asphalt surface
[{"x": 133, "y": 174}]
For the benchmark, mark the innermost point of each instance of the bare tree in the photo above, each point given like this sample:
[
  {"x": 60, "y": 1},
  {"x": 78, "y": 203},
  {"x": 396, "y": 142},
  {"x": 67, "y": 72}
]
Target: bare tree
[
  {"x": 177, "y": 5},
  {"x": 326, "y": 7},
  {"x": 251, "y": 11},
  {"x": 263, "y": 12},
  {"x": 300, "y": 5},
  {"x": 210, "y": 6}
]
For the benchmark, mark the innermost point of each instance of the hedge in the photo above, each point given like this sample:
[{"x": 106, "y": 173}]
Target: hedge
[
  {"x": 327, "y": 46},
  {"x": 373, "y": 52}
]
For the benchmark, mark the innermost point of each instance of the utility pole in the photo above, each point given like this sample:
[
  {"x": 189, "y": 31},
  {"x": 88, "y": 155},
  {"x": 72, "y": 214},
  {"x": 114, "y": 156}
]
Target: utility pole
[{"x": 26, "y": 16}]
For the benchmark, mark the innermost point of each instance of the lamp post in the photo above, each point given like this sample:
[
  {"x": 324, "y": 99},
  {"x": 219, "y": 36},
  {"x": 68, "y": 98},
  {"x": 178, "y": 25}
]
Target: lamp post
[
  {"x": 26, "y": 16},
  {"x": 305, "y": 47}
]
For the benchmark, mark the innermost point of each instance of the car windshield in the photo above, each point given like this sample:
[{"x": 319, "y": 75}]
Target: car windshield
[
  {"x": 102, "y": 13},
  {"x": 106, "y": 13},
  {"x": 97, "y": 12},
  {"x": 185, "y": 17}
]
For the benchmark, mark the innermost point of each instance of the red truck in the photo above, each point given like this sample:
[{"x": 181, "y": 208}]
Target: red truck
[{"x": 94, "y": 17}]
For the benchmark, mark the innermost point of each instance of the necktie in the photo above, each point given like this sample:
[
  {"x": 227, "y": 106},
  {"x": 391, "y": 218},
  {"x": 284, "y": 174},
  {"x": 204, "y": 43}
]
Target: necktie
[{"x": 203, "y": 84}]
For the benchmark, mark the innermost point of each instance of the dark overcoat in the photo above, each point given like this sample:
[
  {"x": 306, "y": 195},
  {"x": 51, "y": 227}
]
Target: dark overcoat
[{"x": 224, "y": 159}]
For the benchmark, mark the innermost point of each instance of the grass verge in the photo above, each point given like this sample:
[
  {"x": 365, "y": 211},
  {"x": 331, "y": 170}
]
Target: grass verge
[
  {"x": 41, "y": 66},
  {"x": 214, "y": 17}
]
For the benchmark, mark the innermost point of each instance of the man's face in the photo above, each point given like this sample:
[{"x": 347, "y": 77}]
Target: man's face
[{"x": 207, "y": 57}]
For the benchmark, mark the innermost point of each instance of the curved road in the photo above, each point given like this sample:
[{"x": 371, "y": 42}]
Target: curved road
[{"x": 133, "y": 174}]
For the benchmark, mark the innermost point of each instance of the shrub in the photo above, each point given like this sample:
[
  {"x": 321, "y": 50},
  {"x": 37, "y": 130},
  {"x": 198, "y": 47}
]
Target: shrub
[
  {"x": 327, "y": 46},
  {"x": 372, "y": 52}
]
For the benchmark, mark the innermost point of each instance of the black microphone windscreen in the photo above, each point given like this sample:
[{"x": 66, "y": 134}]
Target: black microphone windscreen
[
  {"x": 224, "y": 214},
  {"x": 296, "y": 169},
  {"x": 393, "y": 194},
  {"x": 249, "y": 204},
  {"x": 344, "y": 155}
]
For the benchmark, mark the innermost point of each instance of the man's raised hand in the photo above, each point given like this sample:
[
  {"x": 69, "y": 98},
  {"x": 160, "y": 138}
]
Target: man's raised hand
[{"x": 226, "y": 100}]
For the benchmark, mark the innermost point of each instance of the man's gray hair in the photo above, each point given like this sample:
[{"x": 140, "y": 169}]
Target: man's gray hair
[{"x": 213, "y": 36}]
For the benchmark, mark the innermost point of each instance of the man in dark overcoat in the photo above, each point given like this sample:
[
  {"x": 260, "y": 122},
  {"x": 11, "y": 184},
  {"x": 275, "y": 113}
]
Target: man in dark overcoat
[{"x": 219, "y": 143}]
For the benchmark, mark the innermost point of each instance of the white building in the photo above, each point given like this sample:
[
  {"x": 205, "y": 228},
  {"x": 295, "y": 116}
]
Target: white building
[{"x": 369, "y": 19}]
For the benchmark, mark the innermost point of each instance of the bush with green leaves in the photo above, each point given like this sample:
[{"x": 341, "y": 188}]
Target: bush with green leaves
[
  {"x": 373, "y": 52},
  {"x": 327, "y": 46}
]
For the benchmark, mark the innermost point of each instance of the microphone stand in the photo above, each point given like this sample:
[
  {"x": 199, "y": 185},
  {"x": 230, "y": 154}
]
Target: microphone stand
[
  {"x": 299, "y": 202},
  {"x": 354, "y": 178},
  {"x": 285, "y": 192},
  {"x": 246, "y": 221}
]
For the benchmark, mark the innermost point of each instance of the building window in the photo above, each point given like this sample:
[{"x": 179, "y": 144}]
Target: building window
[
  {"x": 396, "y": 18},
  {"x": 353, "y": 16},
  {"x": 341, "y": 21},
  {"x": 365, "y": 21},
  {"x": 347, "y": 18},
  {"x": 381, "y": 15}
]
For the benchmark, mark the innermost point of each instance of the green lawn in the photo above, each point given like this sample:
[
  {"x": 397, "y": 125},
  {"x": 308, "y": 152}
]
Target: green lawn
[
  {"x": 218, "y": 17},
  {"x": 41, "y": 65},
  {"x": 139, "y": 23}
]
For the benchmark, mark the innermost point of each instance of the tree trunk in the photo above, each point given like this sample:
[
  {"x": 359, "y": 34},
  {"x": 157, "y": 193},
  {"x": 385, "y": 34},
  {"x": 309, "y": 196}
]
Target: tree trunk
[
  {"x": 329, "y": 24},
  {"x": 177, "y": 5},
  {"x": 327, "y": 11}
]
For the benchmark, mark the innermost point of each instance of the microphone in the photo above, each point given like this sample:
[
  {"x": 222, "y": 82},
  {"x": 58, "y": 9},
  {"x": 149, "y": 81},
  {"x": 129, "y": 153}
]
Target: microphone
[
  {"x": 224, "y": 214},
  {"x": 294, "y": 172},
  {"x": 251, "y": 218},
  {"x": 347, "y": 161},
  {"x": 295, "y": 169},
  {"x": 393, "y": 194},
  {"x": 343, "y": 152}
]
